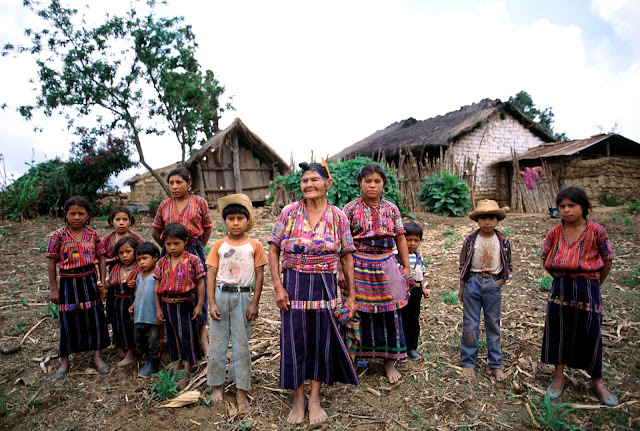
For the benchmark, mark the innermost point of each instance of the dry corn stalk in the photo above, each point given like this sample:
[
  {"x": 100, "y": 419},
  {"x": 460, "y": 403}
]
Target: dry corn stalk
[{"x": 184, "y": 399}]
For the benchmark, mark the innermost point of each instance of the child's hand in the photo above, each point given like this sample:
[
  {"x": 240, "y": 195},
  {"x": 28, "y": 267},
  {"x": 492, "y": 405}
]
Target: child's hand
[
  {"x": 131, "y": 309},
  {"x": 160, "y": 315},
  {"x": 460, "y": 293},
  {"x": 54, "y": 296},
  {"x": 214, "y": 311},
  {"x": 103, "y": 294},
  {"x": 500, "y": 282},
  {"x": 252, "y": 312},
  {"x": 426, "y": 292},
  {"x": 131, "y": 283},
  {"x": 196, "y": 312}
]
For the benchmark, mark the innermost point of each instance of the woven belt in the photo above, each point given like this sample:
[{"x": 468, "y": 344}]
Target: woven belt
[
  {"x": 177, "y": 299},
  {"x": 124, "y": 295},
  {"x": 234, "y": 288},
  {"x": 482, "y": 274}
]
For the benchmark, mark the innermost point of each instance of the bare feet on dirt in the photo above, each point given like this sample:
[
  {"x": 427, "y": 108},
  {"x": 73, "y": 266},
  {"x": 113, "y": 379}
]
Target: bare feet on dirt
[
  {"x": 242, "y": 400},
  {"x": 128, "y": 359},
  {"x": 120, "y": 352},
  {"x": 216, "y": 394},
  {"x": 393, "y": 375},
  {"x": 317, "y": 414},
  {"x": 498, "y": 374},
  {"x": 469, "y": 372},
  {"x": 296, "y": 415}
]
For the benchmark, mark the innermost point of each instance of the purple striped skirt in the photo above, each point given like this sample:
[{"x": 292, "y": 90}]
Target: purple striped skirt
[
  {"x": 82, "y": 323},
  {"x": 123, "y": 321},
  {"x": 311, "y": 347},
  {"x": 572, "y": 330},
  {"x": 182, "y": 332}
]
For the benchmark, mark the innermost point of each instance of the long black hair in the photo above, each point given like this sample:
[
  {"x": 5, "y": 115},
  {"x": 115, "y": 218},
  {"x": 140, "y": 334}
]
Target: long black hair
[
  {"x": 78, "y": 201},
  {"x": 371, "y": 169},
  {"x": 175, "y": 230},
  {"x": 121, "y": 209},
  {"x": 577, "y": 195},
  {"x": 126, "y": 240}
]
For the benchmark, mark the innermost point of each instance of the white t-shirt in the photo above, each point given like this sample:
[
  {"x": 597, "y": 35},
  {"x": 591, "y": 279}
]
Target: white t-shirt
[
  {"x": 486, "y": 255},
  {"x": 236, "y": 262}
]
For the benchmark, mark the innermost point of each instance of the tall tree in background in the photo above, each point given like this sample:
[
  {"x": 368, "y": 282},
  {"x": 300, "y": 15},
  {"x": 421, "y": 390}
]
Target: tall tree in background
[
  {"x": 102, "y": 75},
  {"x": 524, "y": 103}
]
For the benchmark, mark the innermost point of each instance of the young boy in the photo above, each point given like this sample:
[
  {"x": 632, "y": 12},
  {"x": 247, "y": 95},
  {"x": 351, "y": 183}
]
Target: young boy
[
  {"x": 234, "y": 262},
  {"x": 146, "y": 330},
  {"x": 411, "y": 312},
  {"x": 485, "y": 263}
]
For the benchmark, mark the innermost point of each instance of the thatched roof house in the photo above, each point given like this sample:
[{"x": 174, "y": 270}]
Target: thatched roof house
[
  {"x": 606, "y": 164},
  {"x": 473, "y": 138},
  {"x": 235, "y": 160}
]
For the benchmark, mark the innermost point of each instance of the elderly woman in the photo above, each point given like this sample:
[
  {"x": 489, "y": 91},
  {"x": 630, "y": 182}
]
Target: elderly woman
[{"x": 314, "y": 236}]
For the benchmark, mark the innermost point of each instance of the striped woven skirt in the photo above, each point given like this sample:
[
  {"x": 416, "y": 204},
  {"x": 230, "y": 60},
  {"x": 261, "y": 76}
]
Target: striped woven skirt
[
  {"x": 122, "y": 324},
  {"x": 311, "y": 347},
  {"x": 380, "y": 283},
  {"x": 382, "y": 336},
  {"x": 82, "y": 323},
  {"x": 572, "y": 330},
  {"x": 182, "y": 332}
]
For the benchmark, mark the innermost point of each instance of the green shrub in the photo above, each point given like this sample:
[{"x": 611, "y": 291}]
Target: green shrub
[
  {"x": 552, "y": 417},
  {"x": 166, "y": 385},
  {"x": 544, "y": 283},
  {"x": 610, "y": 200},
  {"x": 633, "y": 207},
  {"x": 445, "y": 194},
  {"x": 154, "y": 204},
  {"x": 345, "y": 185},
  {"x": 449, "y": 298}
]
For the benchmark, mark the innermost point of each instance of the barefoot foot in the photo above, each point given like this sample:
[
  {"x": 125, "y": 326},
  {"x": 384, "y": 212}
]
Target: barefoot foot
[
  {"x": 120, "y": 352},
  {"x": 242, "y": 400},
  {"x": 296, "y": 415},
  {"x": 393, "y": 375},
  {"x": 469, "y": 372},
  {"x": 216, "y": 394},
  {"x": 317, "y": 415}
]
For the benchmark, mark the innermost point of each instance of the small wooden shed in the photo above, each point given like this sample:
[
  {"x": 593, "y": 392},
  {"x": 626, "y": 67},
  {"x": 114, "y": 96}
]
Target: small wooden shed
[{"x": 235, "y": 160}]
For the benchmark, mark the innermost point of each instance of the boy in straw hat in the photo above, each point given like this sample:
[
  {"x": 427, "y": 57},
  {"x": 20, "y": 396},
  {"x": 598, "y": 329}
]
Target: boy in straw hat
[
  {"x": 234, "y": 263},
  {"x": 485, "y": 263}
]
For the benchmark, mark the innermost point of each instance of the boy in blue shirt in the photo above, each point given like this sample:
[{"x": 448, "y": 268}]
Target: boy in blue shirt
[{"x": 146, "y": 329}]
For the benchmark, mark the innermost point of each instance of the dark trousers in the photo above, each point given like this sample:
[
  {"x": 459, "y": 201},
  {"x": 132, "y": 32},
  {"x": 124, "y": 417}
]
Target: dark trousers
[
  {"x": 411, "y": 318},
  {"x": 147, "y": 338}
]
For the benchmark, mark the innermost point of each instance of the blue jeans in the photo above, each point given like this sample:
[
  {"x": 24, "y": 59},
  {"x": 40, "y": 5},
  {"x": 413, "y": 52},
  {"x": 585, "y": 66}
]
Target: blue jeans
[
  {"x": 481, "y": 293},
  {"x": 233, "y": 327}
]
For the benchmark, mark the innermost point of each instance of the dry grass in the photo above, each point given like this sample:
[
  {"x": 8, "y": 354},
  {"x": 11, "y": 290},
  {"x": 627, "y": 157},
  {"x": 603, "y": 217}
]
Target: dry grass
[{"x": 432, "y": 395}]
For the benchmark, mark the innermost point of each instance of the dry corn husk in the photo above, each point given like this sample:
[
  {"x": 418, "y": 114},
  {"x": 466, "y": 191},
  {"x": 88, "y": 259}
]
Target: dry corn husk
[{"x": 184, "y": 399}]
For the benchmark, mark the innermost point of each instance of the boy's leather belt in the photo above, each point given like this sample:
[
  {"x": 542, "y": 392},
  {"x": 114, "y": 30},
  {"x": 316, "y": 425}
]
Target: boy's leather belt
[
  {"x": 178, "y": 299},
  {"x": 233, "y": 288}
]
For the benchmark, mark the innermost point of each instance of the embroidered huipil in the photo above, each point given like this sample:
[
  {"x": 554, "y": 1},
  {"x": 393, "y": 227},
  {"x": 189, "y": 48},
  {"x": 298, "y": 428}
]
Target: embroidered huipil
[
  {"x": 182, "y": 278},
  {"x": 121, "y": 286},
  {"x": 109, "y": 242},
  {"x": 582, "y": 259},
  {"x": 195, "y": 216},
  {"x": 73, "y": 253},
  {"x": 374, "y": 228},
  {"x": 467, "y": 253},
  {"x": 311, "y": 250}
]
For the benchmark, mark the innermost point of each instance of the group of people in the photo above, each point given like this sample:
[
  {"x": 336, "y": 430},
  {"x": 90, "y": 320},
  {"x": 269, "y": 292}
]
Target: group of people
[{"x": 363, "y": 250}]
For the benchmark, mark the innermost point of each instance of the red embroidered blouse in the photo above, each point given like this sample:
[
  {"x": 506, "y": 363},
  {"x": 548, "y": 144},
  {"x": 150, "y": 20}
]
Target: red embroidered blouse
[
  {"x": 109, "y": 242},
  {"x": 73, "y": 253},
  {"x": 182, "y": 278},
  {"x": 194, "y": 216}
]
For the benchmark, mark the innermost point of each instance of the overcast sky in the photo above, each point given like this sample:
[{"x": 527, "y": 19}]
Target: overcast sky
[{"x": 322, "y": 75}]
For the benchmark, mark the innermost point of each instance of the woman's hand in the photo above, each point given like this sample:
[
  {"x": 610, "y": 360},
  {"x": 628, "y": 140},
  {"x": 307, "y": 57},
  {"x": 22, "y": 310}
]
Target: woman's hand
[
  {"x": 342, "y": 283},
  {"x": 407, "y": 272},
  {"x": 282, "y": 299},
  {"x": 350, "y": 303}
]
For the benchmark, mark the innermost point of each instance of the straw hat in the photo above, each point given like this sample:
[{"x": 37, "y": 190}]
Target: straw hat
[
  {"x": 487, "y": 207},
  {"x": 239, "y": 199}
]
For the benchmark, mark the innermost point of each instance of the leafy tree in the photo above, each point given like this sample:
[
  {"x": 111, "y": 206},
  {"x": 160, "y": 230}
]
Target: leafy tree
[
  {"x": 45, "y": 187},
  {"x": 101, "y": 74},
  {"x": 545, "y": 117}
]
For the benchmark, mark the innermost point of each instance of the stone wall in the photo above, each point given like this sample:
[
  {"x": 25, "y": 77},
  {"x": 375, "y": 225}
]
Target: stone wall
[
  {"x": 488, "y": 143},
  {"x": 145, "y": 187},
  {"x": 619, "y": 176}
]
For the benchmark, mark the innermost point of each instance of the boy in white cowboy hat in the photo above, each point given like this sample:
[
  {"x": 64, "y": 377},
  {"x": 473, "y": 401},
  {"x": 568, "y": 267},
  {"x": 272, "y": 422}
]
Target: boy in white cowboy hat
[
  {"x": 234, "y": 262},
  {"x": 485, "y": 263}
]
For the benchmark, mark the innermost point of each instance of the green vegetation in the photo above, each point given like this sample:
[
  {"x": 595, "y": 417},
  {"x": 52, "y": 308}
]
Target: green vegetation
[
  {"x": 544, "y": 283},
  {"x": 345, "y": 185},
  {"x": 154, "y": 204},
  {"x": 552, "y": 417},
  {"x": 633, "y": 207},
  {"x": 445, "y": 194},
  {"x": 610, "y": 200},
  {"x": 52, "y": 310},
  {"x": 449, "y": 298},
  {"x": 544, "y": 117},
  {"x": 166, "y": 385}
]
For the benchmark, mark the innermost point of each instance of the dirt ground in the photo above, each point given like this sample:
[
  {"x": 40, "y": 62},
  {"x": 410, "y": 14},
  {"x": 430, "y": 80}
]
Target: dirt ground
[{"x": 432, "y": 394}]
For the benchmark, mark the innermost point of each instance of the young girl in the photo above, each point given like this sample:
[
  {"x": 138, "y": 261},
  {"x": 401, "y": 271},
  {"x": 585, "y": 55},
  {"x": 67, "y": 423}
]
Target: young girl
[
  {"x": 178, "y": 304},
  {"x": 121, "y": 219},
  {"x": 578, "y": 256},
  {"x": 123, "y": 280},
  {"x": 75, "y": 250},
  {"x": 381, "y": 283},
  {"x": 192, "y": 211}
]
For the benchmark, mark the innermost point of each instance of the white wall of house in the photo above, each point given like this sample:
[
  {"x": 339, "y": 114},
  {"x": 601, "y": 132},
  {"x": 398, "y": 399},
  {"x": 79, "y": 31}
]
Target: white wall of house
[{"x": 488, "y": 143}]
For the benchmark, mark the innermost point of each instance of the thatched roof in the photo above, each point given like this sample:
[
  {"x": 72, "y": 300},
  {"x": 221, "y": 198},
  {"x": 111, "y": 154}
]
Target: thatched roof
[
  {"x": 246, "y": 138},
  {"x": 161, "y": 171},
  {"x": 439, "y": 131}
]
